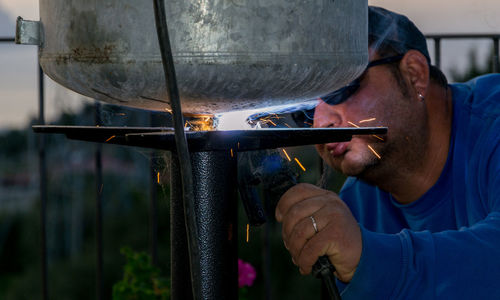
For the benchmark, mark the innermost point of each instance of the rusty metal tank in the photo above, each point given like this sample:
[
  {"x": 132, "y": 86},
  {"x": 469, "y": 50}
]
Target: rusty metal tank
[{"x": 229, "y": 54}]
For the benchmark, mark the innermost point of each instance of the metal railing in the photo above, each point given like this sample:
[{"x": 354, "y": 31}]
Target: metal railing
[
  {"x": 437, "y": 38},
  {"x": 42, "y": 159}
]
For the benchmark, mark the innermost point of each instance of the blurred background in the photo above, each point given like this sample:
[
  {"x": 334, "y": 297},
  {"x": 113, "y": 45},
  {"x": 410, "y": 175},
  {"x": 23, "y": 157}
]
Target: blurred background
[{"x": 132, "y": 177}]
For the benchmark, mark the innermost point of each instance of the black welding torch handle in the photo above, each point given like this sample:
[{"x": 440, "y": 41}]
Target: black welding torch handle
[
  {"x": 253, "y": 169},
  {"x": 324, "y": 269}
]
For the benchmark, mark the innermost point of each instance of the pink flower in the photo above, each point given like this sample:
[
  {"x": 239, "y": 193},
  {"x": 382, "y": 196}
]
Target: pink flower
[{"x": 246, "y": 274}]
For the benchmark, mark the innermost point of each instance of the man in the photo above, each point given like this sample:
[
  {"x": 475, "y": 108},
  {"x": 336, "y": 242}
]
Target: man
[{"x": 419, "y": 218}]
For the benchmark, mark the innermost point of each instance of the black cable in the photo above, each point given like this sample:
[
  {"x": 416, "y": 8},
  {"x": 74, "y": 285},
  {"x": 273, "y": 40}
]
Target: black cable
[{"x": 181, "y": 145}]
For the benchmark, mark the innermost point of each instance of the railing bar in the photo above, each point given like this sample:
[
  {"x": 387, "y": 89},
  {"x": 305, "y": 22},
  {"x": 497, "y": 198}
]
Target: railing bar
[
  {"x": 153, "y": 209},
  {"x": 153, "y": 206},
  {"x": 437, "y": 51},
  {"x": 464, "y": 36},
  {"x": 98, "y": 218},
  {"x": 496, "y": 55},
  {"x": 43, "y": 185}
]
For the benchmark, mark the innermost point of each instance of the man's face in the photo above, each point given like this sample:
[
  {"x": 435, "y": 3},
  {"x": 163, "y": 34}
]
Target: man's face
[{"x": 379, "y": 101}]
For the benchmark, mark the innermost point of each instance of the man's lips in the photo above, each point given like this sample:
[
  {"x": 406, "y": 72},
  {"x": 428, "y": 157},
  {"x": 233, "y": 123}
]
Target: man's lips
[{"x": 337, "y": 149}]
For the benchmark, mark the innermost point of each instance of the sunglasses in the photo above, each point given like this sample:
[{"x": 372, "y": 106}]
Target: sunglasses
[
  {"x": 305, "y": 118},
  {"x": 342, "y": 94}
]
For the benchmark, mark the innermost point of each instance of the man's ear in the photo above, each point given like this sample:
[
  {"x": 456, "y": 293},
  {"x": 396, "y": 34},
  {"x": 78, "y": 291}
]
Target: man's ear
[{"x": 415, "y": 68}]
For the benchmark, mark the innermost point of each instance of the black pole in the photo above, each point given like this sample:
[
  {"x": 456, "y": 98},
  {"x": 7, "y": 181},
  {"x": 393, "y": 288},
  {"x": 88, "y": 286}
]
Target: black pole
[
  {"x": 42, "y": 160},
  {"x": 214, "y": 178},
  {"x": 496, "y": 55},
  {"x": 437, "y": 52},
  {"x": 180, "y": 276},
  {"x": 154, "y": 181},
  {"x": 98, "y": 215},
  {"x": 153, "y": 208}
]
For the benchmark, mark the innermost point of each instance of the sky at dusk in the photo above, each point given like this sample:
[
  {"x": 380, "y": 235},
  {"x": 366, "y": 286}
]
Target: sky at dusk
[{"x": 18, "y": 66}]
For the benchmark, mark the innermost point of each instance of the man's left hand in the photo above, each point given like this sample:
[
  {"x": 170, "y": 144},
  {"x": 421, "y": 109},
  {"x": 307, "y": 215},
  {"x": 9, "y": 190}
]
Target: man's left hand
[{"x": 338, "y": 234}]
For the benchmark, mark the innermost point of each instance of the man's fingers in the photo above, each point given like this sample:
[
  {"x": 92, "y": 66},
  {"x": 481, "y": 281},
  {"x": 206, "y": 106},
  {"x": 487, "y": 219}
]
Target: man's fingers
[
  {"x": 296, "y": 194},
  {"x": 304, "y": 230},
  {"x": 300, "y": 211},
  {"x": 312, "y": 250}
]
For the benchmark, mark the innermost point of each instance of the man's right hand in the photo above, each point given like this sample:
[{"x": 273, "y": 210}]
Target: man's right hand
[{"x": 338, "y": 235}]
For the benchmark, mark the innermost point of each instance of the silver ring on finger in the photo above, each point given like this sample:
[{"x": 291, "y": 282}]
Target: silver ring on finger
[{"x": 315, "y": 225}]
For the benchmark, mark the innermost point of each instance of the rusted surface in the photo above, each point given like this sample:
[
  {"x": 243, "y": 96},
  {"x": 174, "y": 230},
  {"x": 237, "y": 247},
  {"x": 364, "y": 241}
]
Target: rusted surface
[{"x": 89, "y": 55}]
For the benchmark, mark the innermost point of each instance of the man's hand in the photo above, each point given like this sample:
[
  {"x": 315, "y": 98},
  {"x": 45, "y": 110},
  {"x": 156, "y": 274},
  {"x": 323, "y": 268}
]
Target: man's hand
[{"x": 338, "y": 236}]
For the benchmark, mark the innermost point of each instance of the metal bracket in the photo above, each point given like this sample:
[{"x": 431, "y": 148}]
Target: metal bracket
[{"x": 28, "y": 32}]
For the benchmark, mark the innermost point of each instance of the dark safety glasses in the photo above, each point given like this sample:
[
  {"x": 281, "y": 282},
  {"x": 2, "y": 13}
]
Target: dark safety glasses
[{"x": 342, "y": 94}]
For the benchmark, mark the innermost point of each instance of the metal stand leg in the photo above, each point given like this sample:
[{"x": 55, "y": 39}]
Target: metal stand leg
[{"x": 216, "y": 209}]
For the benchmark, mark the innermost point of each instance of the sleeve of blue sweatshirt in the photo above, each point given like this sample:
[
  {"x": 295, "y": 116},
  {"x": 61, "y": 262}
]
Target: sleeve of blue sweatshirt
[{"x": 453, "y": 264}]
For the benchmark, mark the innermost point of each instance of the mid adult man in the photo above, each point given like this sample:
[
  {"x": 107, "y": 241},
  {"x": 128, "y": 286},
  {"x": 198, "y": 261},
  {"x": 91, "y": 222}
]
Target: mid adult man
[{"x": 419, "y": 218}]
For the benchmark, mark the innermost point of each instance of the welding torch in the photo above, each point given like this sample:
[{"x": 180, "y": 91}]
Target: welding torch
[{"x": 275, "y": 175}]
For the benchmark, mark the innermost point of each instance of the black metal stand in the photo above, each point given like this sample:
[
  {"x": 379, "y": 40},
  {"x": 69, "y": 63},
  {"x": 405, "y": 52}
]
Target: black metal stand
[
  {"x": 215, "y": 190},
  {"x": 215, "y": 187}
]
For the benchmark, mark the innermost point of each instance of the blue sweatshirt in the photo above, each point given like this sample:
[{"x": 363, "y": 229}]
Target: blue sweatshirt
[{"x": 445, "y": 245}]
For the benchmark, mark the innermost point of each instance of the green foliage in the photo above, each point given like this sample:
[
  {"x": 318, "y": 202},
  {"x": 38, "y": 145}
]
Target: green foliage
[
  {"x": 11, "y": 142},
  {"x": 141, "y": 280},
  {"x": 474, "y": 68}
]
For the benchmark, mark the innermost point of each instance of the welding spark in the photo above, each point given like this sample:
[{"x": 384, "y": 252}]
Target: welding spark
[
  {"x": 351, "y": 123},
  {"x": 286, "y": 124},
  {"x": 248, "y": 232},
  {"x": 274, "y": 124},
  {"x": 112, "y": 137},
  {"x": 158, "y": 177},
  {"x": 374, "y": 152},
  {"x": 308, "y": 123},
  {"x": 232, "y": 154},
  {"x": 121, "y": 114},
  {"x": 300, "y": 165},
  {"x": 286, "y": 154},
  {"x": 168, "y": 110},
  {"x": 367, "y": 120}
]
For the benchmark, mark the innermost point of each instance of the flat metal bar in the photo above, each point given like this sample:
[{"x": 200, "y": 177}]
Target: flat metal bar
[
  {"x": 107, "y": 135},
  {"x": 7, "y": 39},
  {"x": 463, "y": 35},
  {"x": 246, "y": 140},
  {"x": 217, "y": 140}
]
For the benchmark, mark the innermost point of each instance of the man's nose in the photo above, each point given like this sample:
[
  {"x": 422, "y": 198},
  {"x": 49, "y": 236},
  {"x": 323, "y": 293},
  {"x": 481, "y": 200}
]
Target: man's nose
[{"x": 326, "y": 115}]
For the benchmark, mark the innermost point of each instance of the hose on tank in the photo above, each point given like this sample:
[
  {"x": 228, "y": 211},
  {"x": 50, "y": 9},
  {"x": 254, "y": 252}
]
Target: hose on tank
[{"x": 181, "y": 146}]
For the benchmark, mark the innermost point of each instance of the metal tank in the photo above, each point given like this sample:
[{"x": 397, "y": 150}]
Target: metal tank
[{"x": 229, "y": 54}]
